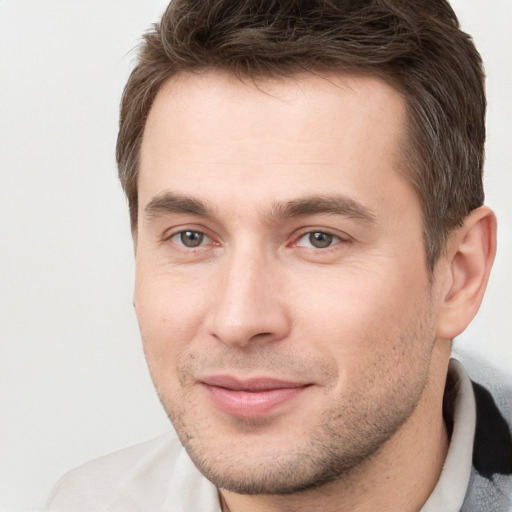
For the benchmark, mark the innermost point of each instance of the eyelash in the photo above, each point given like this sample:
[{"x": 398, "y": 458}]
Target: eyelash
[
  {"x": 330, "y": 238},
  {"x": 180, "y": 234}
]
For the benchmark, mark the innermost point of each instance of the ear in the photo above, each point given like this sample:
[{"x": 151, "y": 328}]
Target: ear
[{"x": 466, "y": 267}]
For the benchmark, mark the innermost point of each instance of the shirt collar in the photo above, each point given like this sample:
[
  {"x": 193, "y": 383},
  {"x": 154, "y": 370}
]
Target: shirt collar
[{"x": 450, "y": 490}]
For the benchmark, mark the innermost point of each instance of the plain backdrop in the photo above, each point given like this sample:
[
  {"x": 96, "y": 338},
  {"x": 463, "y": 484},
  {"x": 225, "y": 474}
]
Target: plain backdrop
[{"x": 73, "y": 382}]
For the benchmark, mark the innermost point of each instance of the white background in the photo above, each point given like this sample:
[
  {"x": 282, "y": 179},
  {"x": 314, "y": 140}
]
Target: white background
[{"x": 73, "y": 382}]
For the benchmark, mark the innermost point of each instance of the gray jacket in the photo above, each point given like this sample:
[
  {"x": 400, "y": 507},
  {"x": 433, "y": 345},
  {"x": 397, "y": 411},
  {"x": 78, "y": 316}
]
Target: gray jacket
[{"x": 490, "y": 485}]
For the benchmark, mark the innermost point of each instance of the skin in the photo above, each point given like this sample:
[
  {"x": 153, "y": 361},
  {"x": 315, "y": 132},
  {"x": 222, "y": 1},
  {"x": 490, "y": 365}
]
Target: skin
[{"x": 351, "y": 316}]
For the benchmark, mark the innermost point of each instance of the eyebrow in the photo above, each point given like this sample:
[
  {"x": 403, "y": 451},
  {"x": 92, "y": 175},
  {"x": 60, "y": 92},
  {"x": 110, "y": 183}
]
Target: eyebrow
[
  {"x": 169, "y": 203},
  {"x": 328, "y": 204}
]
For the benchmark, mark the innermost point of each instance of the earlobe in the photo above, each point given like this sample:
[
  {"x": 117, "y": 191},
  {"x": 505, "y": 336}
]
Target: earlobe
[{"x": 468, "y": 261}]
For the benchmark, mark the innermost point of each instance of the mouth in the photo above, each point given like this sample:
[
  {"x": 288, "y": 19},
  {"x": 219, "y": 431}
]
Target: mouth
[{"x": 251, "y": 398}]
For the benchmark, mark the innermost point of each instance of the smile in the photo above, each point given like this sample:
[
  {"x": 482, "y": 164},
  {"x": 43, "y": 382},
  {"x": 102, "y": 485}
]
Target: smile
[{"x": 252, "y": 398}]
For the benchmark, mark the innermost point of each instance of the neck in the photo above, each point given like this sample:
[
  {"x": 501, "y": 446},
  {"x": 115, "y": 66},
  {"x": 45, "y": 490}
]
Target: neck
[{"x": 401, "y": 475}]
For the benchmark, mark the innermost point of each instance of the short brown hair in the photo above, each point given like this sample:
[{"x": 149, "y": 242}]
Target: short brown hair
[{"x": 415, "y": 45}]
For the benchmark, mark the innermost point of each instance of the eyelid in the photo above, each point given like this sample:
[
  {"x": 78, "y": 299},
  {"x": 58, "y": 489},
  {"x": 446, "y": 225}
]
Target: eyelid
[
  {"x": 339, "y": 236},
  {"x": 177, "y": 237},
  {"x": 169, "y": 234}
]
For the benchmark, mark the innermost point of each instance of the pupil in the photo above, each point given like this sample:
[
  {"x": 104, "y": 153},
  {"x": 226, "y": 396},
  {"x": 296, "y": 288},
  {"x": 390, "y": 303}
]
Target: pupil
[
  {"x": 320, "y": 240},
  {"x": 191, "y": 238}
]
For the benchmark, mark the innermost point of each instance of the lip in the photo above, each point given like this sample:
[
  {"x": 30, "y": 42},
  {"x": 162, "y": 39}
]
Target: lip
[{"x": 250, "y": 398}]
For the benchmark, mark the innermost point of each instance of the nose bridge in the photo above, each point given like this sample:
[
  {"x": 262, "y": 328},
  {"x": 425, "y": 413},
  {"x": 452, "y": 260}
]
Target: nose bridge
[{"x": 247, "y": 303}]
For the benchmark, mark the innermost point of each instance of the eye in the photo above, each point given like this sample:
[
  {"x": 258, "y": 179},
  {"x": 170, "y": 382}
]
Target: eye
[
  {"x": 317, "y": 240},
  {"x": 190, "y": 239}
]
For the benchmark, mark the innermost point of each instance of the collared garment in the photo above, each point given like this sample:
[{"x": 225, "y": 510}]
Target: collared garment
[{"x": 158, "y": 475}]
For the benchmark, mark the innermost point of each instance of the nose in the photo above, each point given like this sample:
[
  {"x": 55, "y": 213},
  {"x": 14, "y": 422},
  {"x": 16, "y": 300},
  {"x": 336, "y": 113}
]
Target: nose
[{"x": 248, "y": 304}]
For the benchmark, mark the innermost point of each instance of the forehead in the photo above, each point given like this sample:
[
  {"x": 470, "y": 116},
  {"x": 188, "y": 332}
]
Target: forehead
[
  {"x": 219, "y": 135},
  {"x": 205, "y": 103}
]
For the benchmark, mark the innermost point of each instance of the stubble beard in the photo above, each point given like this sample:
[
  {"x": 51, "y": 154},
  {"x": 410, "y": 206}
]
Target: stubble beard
[{"x": 348, "y": 434}]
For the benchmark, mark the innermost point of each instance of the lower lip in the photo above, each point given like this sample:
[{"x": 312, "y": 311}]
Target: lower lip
[{"x": 245, "y": 404}]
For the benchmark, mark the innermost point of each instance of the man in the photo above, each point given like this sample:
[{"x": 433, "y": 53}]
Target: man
[{"x": 305, "y": 192}]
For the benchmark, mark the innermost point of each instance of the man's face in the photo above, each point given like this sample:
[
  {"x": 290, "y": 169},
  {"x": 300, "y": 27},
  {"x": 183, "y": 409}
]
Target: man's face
[{"x": 282, "y": 293}]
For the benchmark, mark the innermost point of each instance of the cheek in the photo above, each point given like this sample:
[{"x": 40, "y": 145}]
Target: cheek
[
  {"x": 170, "y": 316},
  {"x": 359, "y": 313}
]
